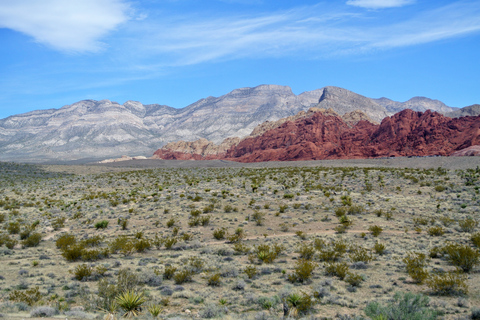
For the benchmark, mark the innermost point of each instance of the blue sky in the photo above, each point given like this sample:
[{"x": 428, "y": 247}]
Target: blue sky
[{"x": 174, "y": 52}]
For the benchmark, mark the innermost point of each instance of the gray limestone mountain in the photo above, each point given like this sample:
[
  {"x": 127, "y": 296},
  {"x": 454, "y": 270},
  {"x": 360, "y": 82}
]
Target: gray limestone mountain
[
  {"x": 473, "y": 110},
  {"x": 104, "y": 129}
]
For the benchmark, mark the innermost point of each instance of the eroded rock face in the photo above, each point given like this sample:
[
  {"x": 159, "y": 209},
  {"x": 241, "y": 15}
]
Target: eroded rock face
[
  {"x": 473, "y": 151},
  {"x": 203, "y": 149},
  {"x": 407, "y": 133}
]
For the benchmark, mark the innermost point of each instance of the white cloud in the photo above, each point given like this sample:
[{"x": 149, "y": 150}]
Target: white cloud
[
  {"x": 73, "y": 25},
  {"x": 309, "y": 32},
  {"x": 379, "y": 4}
]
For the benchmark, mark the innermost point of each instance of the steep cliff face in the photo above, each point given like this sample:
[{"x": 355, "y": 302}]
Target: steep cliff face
[{"x": 407, "y": 133}]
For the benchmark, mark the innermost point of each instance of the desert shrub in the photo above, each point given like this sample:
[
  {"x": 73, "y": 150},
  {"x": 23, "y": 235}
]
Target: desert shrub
[
  {"x": 359, "y": 254},
  {"x": 341, "y": 211},
  {"x": 214, "y": 280},
  {"x": 101, "y": 224},
  {"x": 379, "y": 248},
  {"x": 337, "y": 269},
  {"x": 182, "y": 276},
  {"x": 73, "y": 252},
  {"x": 420, "y": 221},
  {"x": 82, "y": 272},
  {"x": 250, "y": 271},
  {"x": 303, "y": 271},
  {"x": 353, "y": 279},
  {"x": 356, "y": 209},
  {"x": 65, "y": 240},
  {"x": 468, "y": 224},
  {"x": 475, "y": 313},
  {"x": 29, "y": 296},
  {"x": 228, "y": 208},
  {"x": 440, "y": 188},
  {"x": 237, "y": 236},
  {"x": 476, "y": 239},
  {"x": 194, "y": 222},
  {"x": 436, "y": 231},
  {"x": 123, "y": 223},
  {"x": 169, "y": 272},
  {"x": 195, "y": 264},
  {"x": 92, "y": 241},
  {"x": 462, "y": 256},
  {"x": 319, "y": 244},
  {"x": 299, "y": 304},
  {"x": 142, "y": 245},
  {"x": 211, "y": 311},
  {"x": 448, "y": 283},
  {"x": 33, "y": 240},
  {"x": 258, "y": 217},
  {"x": 58, "y": 223},
  {"x": 195, "y": 213},
  {"x": 126, "y": 280},
  {"x": 302, "y": 235},
  {"x": 171, "y": 222},
  {"x": 306, "y": 251},
  {"x": 447, "y": 221},
  {"x": 219, "y": 233},
  {"x": 13, "y": 227},
  {"x": 266, "y": 253},
  {"x": 375, "y": 230},
  {"x": 43, "y": 312},
  {"x": 415, "y": 264},
  {"x": 240, "y": 248},
  {"x": 169, "y": 242},
  {"x": 333, "y": 252},
  {"x": 406, "y": 306},
  {"x": 205, "y": 221}
]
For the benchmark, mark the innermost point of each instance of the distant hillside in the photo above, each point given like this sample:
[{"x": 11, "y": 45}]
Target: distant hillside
[{"x": 105, "y": 129}]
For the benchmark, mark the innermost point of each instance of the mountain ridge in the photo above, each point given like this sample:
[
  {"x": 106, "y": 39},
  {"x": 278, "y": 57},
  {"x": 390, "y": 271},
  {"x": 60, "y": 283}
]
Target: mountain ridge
[{"x": 102, "y": 129}]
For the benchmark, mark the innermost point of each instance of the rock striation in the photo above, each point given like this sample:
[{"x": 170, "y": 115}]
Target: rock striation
[
  {"x": 103, "y": 129},
  {"x": 326, "y": 135}
]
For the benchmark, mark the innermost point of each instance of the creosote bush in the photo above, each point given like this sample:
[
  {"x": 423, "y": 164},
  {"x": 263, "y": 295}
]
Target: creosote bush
[
  {"x": 415, "y": 264},
  {"x": 303, "y": 271},
  {"x": 448, "y": 283},
  {"x": 339, "y": 269},
  {"x": 462, "y": 256},
  {"x": 375, "y": 230}
]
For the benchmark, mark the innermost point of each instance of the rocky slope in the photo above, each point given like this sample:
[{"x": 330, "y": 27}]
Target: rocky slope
[
  {"x": 473, "y": 110},
  {"x": 325, "y": 135},
  {"x": 105, "y": 129}
]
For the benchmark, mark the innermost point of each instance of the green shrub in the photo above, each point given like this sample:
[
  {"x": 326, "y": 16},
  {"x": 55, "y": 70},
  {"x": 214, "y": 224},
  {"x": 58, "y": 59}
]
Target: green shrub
[
  {"x": 33, "y": 240},
  {"x": 214, "y": 280},
  {"x": 219, "y": 233},
  {"x": 436, "y": 231},
  {"x": 462, "y": 256},
  {"x": 58, "y": 223},
  {"x": 29, "y": 296},
  {"x": 375, "y": 230},
  {"x": 476, "y": 239},
  {"x": 357, "y": 254},
  {"x": 258, "y": 217},
  {"x": 82, "y": 272},
  {"x": 415, "y": 264},
  {"x": 250, "y": 271},
  {"x": 101, "y": 224},
  {"x": 142, "y": 245},
  {"x": 171, "y": 222},
  {"x": 13, "y": 227},
  {"x": 182, "y": 276},
  {"x": 169, "y": 242},
  {"x": 468, "y": 224},
  {"x": 65, "y": 241},
  {"x": 169, "y": 272},
  {"x": 299, "y": 304},
  {"x": 341, "y": 211},
  {"x": 337, "y": 269},
  {"x": 448, "y": 283},
  {"x": 131, "y": 303},
  {"x": 306, "y": 251},
  {"x": 406, "y": 306},
  {"x": 353, "y": 279},
  {"x": 73, "y": 252},
  {"x": 303, "y": 270},
  {"x": 379, "y": 248}
]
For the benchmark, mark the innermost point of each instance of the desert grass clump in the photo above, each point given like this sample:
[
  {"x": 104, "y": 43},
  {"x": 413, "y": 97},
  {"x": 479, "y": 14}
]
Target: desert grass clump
[
  {"x": 353, "y": 279},
  {"x": 258, "y": 217},
  {"x": 82, "y": 272},
  {"x": 375, "y": 230},
  {"x": 154, "y": 310},
  {"x": 214, "y": 280},
  {"x": 462, "y": 256},
  {"x": 405, "y": 306},
  {"x": 357, "y": 254},
  {"x": 415, "y": 264},
  {"x": 448, "y": 283},
  {"x": 333, "y": 252},
  {"x": 182, "y": 276},
  {"x": 169, "y": 272},
  {"x": 169, "y": 242}
]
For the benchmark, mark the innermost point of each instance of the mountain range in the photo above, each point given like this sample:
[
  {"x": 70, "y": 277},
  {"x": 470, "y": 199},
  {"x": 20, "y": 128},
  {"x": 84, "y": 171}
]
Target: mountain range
[{"x": 94, "y": 130}]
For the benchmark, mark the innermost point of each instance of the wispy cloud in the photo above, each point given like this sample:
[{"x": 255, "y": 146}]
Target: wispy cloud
[
  {"x": 73, "y": 25},
  {"x": 379, "y": 4},
  {"x": 308, "y": 32}
]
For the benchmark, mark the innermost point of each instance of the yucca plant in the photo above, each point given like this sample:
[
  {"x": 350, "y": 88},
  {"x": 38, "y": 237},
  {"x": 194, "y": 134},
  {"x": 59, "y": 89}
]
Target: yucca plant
[{"x": 131, "y": 303}]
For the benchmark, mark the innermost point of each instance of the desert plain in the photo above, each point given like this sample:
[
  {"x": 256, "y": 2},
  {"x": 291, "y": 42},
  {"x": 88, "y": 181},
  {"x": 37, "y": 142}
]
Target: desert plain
[{"x": 218, "y": 239}]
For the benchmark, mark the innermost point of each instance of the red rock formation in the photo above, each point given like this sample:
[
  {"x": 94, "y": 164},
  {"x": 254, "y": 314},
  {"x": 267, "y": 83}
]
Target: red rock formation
[{"x": 327, "y": 136}]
